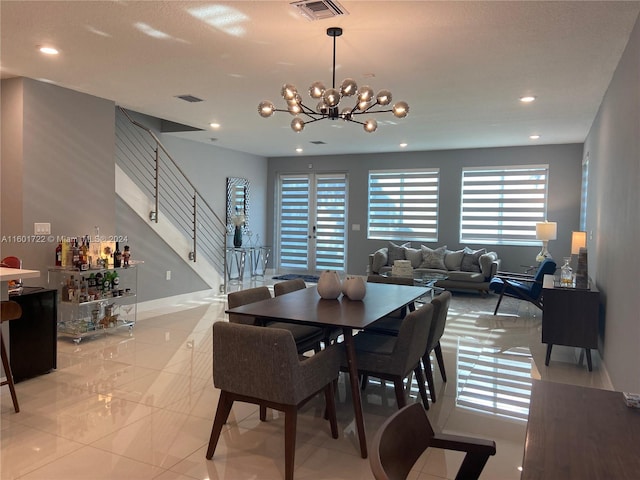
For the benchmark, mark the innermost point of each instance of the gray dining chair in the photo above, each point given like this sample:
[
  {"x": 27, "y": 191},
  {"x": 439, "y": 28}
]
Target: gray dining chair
[
  {"x": 261, "y": 366},
  {"x": 440, "y": 311},
  {"x": 390, "y": 324},
  {"x": 406, "y": 434},
  {"x": 393, "y": 358},
  {"x": 306, "y": 337},
  {"x": 330, "y": 334}
]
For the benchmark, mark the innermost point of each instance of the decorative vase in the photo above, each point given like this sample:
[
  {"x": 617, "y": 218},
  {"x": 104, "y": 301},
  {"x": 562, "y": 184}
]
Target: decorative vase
[
  {"x": 354, "y": 287},
  {"x": 329, "y": 285},
  {"x": 237, "y": 236}
]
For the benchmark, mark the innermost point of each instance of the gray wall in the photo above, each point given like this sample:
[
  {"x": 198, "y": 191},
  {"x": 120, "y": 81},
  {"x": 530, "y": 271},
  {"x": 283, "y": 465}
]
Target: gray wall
[
  {"x": 57, "y": 149},
  {"x": 563, "y": 205},
  {"x": 58, "y": 166},
  {"x": 613, "y": 216}
]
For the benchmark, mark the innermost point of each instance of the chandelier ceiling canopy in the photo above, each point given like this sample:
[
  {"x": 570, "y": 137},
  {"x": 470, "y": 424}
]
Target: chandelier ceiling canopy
[{"x": 332, "y": 102}]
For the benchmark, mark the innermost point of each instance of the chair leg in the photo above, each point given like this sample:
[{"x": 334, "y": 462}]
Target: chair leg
[
  {"x": 222, "y": 413},
  {"x": 495, "y": 312},
  {"x": 426, "y": 362},
  {"x": 9, "y": 374},
  {"x": 401, "y": 398},
  {"x": 438, "y": 352},
  {"x": 330, "y": 409},
  {"x": 263, "y": 413},
  {"x": 421, "y": 388},
  {"x": 290, "y": 421}
]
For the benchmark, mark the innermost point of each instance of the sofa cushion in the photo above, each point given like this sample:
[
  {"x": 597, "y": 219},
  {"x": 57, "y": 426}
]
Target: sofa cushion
[
  {"x": 414, "y": 255},
  {"x": 396, "y": 252},
  {"x": 485, "y": 263},
  {"x": 380, "y": 259},
  {"x": 433, "y": 258},
  {"x": 471, "y": 260},
  {"x": 453, "y": 259}
]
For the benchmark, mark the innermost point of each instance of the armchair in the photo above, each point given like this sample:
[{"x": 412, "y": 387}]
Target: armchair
[
  {"x": 522, "y": 286},
  {"x": 405, "y": 435},
  {"x": 261, "y": 366}
]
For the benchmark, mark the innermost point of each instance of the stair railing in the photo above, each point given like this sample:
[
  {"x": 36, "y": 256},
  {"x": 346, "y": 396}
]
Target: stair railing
[{"x": 153, "y": 169}]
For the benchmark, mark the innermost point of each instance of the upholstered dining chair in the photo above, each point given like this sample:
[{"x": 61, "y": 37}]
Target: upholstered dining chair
[
  {"x": 522, "y": 286},
  {"x": 10, "y": 311},
  {"x": 288, "y": 286},
  {"x": 406, "y": 434},
  {"x": 393, "y": 358},
  {"x": 282, "y": 288},
  {"x": 306, "y": 337},
  {"x": 261, "y": 366},
  {"x": 391, "y": 323},
  {"x": 440, "y": 312}
]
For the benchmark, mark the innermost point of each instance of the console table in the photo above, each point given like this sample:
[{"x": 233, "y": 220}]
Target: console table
[
  {"x": 237, "y": 259},
  {"x": 569, "y": 317},
  {"x": 577, "y": 432}
]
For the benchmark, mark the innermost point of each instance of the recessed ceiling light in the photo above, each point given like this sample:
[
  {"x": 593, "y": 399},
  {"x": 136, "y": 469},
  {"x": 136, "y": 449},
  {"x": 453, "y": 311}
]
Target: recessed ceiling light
[
  {"x": 299, "y": 150},
  {"x": 403, "y": 145},
  {"x": 534, "y": 137},
  {"x": 527, "y": 99},
  {"x": 214, "y": 125},
  {"x": 48, "y": 50}
]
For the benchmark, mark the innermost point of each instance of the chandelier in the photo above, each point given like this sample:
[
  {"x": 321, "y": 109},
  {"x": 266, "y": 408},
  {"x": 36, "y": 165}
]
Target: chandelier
[{"x": 332, "y": 101}]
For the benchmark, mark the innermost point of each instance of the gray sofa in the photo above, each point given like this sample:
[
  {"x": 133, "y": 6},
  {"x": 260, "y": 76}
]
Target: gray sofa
[{"x": 466, "y": 269}]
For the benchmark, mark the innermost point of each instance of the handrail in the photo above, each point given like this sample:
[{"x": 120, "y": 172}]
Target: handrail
[{"x": 201, "y": 221}]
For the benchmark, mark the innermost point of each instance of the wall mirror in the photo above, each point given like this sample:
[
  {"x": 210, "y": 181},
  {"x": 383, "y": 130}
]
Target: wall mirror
[{"x": 237, "y": 202}]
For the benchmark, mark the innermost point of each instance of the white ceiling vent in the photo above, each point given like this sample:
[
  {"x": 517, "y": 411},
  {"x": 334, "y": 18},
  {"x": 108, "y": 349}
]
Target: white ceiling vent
[{"x": 319, "y": 9}]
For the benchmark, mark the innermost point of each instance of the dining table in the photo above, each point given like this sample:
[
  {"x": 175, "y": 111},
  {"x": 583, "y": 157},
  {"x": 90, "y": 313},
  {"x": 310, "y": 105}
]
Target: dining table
[{"x": 307, "y": 307}]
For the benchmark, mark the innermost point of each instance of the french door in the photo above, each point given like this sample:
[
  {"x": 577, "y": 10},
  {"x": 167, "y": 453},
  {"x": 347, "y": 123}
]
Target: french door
[{"x": 311, "y": 222}]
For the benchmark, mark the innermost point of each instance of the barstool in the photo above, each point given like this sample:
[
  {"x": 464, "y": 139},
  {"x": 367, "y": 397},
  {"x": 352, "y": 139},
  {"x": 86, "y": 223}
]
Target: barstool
[{"x": 10, "y": 311}]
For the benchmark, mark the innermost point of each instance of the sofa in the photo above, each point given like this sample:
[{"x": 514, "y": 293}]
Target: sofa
[{"x": 466, "y": 269}]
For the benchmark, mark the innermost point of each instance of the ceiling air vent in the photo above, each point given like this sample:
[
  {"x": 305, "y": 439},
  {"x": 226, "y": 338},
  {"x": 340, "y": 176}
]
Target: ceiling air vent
[
  {"x": 189, "y": 98},
  {"x": 319, "y": 9},
  {"x": 318, "y": 142}
]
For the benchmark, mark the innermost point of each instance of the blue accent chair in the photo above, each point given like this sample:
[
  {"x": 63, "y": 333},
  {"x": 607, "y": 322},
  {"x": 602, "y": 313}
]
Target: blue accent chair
[{"x": 522, "y": 286}]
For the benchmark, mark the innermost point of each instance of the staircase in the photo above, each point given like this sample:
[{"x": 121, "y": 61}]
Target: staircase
[{"x": 149, "y": 180}]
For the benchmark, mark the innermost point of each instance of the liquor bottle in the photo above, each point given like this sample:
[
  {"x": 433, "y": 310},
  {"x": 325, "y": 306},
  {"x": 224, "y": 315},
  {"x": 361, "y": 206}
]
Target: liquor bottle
[
  {"x": 59, "y": 255},
  {"x": 117, "y": 257},
  {"x": 65, "y": 253},
  {"x": 76, "y": 254}
]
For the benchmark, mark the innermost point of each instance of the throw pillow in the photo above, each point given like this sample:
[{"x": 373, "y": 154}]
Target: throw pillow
[
  {"x": 396, "y": 252},
  {"x": 433, "y": 258},
  {"x": 471, "y": 260},
  {"x": 379, "y": 260},
  {"x": 414, "y": 255},
  {"x": 485, "y": 263},
  {"x": 453, "y": 259}
]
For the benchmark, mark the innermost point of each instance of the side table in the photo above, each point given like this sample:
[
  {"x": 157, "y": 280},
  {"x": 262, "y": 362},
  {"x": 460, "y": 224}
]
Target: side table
[
  {"x": 236, "y": 257},
  {"x": 569, "y": 317},
  {"x": 259, "y": 258}
]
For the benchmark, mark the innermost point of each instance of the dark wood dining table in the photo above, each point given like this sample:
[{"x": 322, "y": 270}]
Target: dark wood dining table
[
  {"x": 306, "y": 307},
  {"x": 580, "y": 433}
]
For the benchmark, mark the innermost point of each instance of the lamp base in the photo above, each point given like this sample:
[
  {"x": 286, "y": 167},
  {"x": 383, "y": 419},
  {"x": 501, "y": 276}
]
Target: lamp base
[{"x": 544, "y": 253}]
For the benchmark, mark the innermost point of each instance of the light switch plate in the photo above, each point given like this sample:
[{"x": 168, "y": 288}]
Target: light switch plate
[{"x": 42, "y": 229}]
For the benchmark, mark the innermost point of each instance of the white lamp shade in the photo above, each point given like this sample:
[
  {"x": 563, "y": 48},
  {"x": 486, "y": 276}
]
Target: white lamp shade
[
  {"x": 546, "y": 230},
  {"x": 578, "y": 240}
]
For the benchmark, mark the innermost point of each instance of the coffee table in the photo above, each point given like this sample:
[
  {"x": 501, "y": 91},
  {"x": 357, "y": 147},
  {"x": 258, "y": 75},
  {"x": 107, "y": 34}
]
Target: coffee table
[
  {"x": 427, "y": 280},
  {"x": 306, "y": 307}
]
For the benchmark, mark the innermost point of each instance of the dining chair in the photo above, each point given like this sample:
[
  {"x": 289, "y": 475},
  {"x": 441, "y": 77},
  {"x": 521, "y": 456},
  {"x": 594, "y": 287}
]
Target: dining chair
[
  {"x": 407, "y": 434},
  {"x": 282, "y": 288},
  {"x": 390, "y": 324},
  {"x": 522, "y": 286},
  {"x": 394, "y": 358},
  {"x": 440, "y": 312},
  {"x": 261, "y": 366},
  {"x": 10, "y": 311},
  {"x": 306, "y": 337}
]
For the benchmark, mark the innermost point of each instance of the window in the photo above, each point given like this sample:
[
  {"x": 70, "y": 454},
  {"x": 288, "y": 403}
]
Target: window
[
  {"x": 501, "y": 205},
  {"x": 403, "y": 205}
]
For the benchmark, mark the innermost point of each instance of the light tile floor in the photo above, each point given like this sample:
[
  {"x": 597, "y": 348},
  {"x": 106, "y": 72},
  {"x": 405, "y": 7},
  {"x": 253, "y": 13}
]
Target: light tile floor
[{"x": 141, "y": 406}]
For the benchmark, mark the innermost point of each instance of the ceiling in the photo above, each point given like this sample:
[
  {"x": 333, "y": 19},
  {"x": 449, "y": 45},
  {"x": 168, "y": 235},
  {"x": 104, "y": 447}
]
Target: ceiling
[{"x": 461, "y": 66}]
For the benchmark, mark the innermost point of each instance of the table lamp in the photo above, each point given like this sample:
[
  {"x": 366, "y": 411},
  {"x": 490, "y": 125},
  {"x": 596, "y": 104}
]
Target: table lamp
[{"x": 545, "y": 231}]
